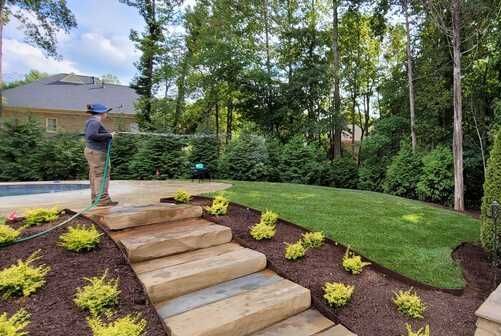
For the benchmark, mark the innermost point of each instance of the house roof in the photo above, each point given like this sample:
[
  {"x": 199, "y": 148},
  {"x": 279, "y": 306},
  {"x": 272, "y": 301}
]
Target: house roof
[{"x": 71, "y": 92}]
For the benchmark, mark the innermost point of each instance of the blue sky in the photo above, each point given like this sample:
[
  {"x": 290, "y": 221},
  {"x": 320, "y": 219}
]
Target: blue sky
[{"x": 99, "y": 45}]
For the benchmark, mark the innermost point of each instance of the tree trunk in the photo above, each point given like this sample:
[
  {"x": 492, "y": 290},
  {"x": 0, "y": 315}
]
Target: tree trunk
[
  {"x": 458, "y": 128},
  {"x": 217, "y": 125},
  {"x": 289, "y": 42},
  {"x": 181, "y": 84},
  {"x": 2, "y": 5},
  {"x": 268, "y": 59},
  {"x": 410, "y": 74},
  {"x": 336, "y": 113},
  {"x": 229, "y": 120}
]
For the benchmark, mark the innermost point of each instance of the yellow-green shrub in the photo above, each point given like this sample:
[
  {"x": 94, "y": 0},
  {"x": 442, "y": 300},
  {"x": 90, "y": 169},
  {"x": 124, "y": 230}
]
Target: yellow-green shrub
[
  {"x": 219, "y": 206},
  {"x": 182, "y": 196},
  {"x": 421, "y": 332},
  {"x": 313, "y": 239},
  {"x": 409, "y": 303},
  {"x": 337, "y": 294},
  {"x": 295, "y": 251},
  {"x": 269, "y": 218},
  {"x": 80, "y": 238},
  {"x": 23, "y": 278},
  {"x": 14, "y": 325},
  {"x": 353, "y": 263},
  {"x": 39, "y": 216},
  {"x": 130, "y": 325},
  {"x": 8, "y": 234},
  {"x": 262, "y": 231},
  {"x": 99, "y": 295}
]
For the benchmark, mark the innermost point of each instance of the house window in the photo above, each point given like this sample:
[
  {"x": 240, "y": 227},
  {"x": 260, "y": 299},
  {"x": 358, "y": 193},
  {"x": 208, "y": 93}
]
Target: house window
[{"x": 51, "y": 125}]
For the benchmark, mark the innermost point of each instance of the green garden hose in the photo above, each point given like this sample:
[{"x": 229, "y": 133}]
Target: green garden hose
[{"x": 102, "y": 188}]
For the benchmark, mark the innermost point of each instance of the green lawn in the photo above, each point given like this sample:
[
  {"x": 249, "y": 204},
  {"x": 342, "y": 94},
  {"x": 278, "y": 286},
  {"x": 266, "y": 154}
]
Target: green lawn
[{"x": 406, "y": 236}]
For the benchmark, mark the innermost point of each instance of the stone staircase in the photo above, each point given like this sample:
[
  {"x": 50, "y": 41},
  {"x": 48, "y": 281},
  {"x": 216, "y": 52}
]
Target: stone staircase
[{"x": 202, "y": 284}]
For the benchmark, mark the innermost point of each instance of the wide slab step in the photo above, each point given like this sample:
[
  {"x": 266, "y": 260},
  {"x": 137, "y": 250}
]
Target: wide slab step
[
  {"x": 169, "y": 282},
  {"x": 155, "y": 264},
  {"x": 306, "y": 323},
  {"x": 165, "y": 240},
  {"x": 242, "y": 314},
  {"x": 216, "y": 293},
  {"x": 122, "y": 217},
  {"x": 338, "y": 330}
]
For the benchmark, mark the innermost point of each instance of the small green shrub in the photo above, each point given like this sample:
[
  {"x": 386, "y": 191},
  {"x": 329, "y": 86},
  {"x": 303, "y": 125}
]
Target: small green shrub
[
  {"x": 8, "y": 234},
  {"x": 269, "y": 218},
  {"x": 98, "y": 295},
  {"x": 313, "y": 239},
  {"x": 219, "y": 206},
  {"x": 182, "y": 196},
  {"x": 40, "y": 216},
  {"x": 409, "y": 304},
  {"x": 14, "y": 325},
  {"x": 22, "y": 278},
  {"x": 80, "y": 238},
  {"x": 337, "y": 294},
  {"x": 353, "y": 263},
  {"x": 262, "y": 231},
  {"x": 295, "y": 251},
  {"x": 421, "y": 332},
  {"x": 130, "y": 325}
]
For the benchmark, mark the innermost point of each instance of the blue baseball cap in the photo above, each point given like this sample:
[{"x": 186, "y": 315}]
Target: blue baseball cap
[{"x": 98, "y": 108}]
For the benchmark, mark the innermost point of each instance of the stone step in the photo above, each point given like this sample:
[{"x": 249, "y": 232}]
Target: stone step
[
  {"x": 338, "y": 330},
  {"x": 306, "y": 323},
  {"x": 216, "y": 293},
  {"x": 169, "y": 282},
  {"x": 155, "y": 264},
  {"x": 122, "y": 217},
  {"x": 172, "y": 240},
  {"x": 242, "y": 314}
]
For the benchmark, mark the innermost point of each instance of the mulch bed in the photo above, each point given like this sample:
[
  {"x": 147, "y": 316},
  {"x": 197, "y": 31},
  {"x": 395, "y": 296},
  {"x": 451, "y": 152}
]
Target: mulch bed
[
  {"x": 371, "y": 311},
  {"x": 52, "y": 309}
]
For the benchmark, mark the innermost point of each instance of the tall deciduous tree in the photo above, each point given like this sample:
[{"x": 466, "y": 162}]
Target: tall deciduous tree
[
  {"x": 40, "y": 20},
  {"x": 336, "y": 122},
  {"x": 410, "y": 74}
]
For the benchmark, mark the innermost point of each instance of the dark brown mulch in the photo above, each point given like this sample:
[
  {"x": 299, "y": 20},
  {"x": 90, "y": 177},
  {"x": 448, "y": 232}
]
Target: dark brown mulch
[
  {"x": 371, "y": 312},
  {"x": 52, "y": 309}
]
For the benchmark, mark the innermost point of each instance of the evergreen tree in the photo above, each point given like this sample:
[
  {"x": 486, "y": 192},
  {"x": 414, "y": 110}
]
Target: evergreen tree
[
  {"x": 20, "y": 143},
  {"x": 301, "y": 162},
  {"x": 404, "y": 172},
  {"x": 245, "y": 158},
  {"x": 204, "y": 150},
  {"x": 159, "y": 158},
  {"x": 123, "y": 149},
  {"x": 61, "y": 158},
  {"x": 492, "y": 192},
  {"x": 437, "y": 180}
]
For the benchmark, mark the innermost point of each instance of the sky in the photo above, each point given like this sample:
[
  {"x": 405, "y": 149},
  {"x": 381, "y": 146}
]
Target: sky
[{"x": 99, "y": 45}]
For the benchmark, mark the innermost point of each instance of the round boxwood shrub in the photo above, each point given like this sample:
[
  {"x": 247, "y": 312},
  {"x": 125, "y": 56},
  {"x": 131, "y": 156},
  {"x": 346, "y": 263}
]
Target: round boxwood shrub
[
  {"x": 492, "y": 192},
  {"x": 437, "y": 181},
  {"x": 403, "y": 173}
]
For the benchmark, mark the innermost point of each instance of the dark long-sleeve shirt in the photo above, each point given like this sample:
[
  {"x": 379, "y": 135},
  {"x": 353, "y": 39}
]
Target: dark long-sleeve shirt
[{"x": 96, "y": 136}]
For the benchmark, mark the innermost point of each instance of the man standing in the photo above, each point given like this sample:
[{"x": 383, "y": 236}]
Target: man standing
[{"x": 97, "y": 139}]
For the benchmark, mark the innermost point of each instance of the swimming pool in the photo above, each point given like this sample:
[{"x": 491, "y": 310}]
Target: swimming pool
[{"x": 39, "y": 188}]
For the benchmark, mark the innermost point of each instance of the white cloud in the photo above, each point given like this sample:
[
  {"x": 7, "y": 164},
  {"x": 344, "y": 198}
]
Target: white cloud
[
  {"x": 20, "y": 58},
  {"x": 117, "y": 50}
]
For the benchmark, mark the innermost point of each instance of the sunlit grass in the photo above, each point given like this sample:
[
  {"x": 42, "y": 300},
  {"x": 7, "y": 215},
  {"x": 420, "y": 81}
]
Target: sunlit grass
[{"x": 410, "y": 237}]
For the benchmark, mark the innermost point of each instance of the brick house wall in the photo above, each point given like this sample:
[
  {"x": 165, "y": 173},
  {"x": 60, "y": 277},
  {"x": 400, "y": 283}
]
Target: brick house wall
[{"x": 68, "y": 121}]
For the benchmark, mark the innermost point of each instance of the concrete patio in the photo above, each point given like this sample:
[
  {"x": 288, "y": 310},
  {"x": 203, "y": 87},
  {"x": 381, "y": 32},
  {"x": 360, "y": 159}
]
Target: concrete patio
[{"x": 126, "y": 192}]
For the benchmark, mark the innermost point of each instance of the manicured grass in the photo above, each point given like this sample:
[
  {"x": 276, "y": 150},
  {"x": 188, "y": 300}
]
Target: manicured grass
[{"x": 410, "y": 237}]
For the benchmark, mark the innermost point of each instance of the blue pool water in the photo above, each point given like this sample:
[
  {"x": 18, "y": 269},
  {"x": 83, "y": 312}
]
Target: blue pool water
[{"x": 28, "y": 189}]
